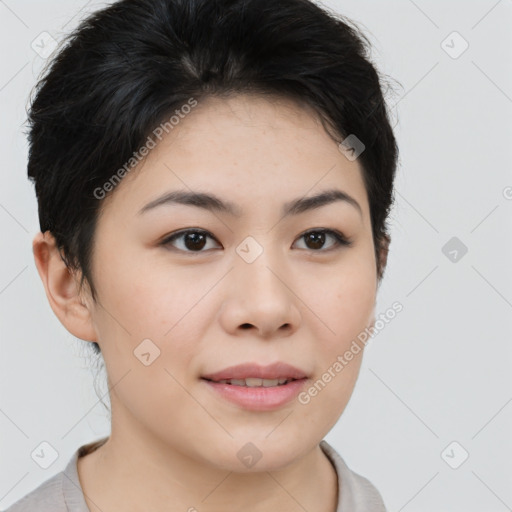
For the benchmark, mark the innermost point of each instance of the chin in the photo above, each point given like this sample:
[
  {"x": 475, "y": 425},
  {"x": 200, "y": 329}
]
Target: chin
[{"x": 253, "y": 454}]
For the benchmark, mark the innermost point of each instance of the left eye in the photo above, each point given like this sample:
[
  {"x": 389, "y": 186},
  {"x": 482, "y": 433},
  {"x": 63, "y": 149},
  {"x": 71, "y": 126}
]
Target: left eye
[
  {"x": 194, "y": 240},
  {"x": 317, "y": 237}
]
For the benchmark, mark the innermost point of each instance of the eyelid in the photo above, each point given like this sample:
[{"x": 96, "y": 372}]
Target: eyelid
[
  {"x": 166, "y": 240},
  {"x": 341, "y": 240}
]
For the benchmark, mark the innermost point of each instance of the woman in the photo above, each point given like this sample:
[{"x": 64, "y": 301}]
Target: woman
[{"x": 213, "y": 180}]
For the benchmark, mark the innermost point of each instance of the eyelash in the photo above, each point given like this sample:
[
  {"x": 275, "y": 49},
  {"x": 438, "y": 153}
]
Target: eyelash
[{"x": 340, "y": 240}]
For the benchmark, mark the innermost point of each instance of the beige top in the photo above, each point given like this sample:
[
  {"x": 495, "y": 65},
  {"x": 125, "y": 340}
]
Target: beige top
[{"x": 63, "y": 492}]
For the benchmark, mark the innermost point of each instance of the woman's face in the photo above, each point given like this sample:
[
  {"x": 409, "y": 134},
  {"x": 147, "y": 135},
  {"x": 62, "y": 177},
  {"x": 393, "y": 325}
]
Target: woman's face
[{"x": 246, "y": 286}]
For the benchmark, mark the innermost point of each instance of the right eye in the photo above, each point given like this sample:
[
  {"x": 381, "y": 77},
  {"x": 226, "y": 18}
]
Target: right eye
[{"x": 193, "y": 240}]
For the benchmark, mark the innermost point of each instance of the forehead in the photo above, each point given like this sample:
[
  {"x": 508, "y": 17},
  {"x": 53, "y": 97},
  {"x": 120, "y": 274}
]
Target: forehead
[{"x": 248, "y": 148}]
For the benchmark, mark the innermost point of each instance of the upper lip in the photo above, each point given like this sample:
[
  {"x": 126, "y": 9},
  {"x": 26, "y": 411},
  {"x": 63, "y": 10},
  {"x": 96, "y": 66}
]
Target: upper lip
[{"x": 277, "y": 370}]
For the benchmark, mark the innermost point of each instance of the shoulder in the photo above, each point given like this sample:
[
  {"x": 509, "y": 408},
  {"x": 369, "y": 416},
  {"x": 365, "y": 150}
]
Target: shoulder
[
  {"x": 60, "y": 493},
  {"x": 47, "y": 497},
  {"x": 356, "y": 493}
]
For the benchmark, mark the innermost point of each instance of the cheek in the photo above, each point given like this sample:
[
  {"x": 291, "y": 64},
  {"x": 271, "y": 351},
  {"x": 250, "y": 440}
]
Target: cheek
[
  {"x": 147, "y": 300},
  {"x": 347, "y": 303},
  {"x": 148, "y": 310},
  {"x": 157, "y": 398},
  {"x": 150, "y": 320},
  {"x": 353, "y": 308}
]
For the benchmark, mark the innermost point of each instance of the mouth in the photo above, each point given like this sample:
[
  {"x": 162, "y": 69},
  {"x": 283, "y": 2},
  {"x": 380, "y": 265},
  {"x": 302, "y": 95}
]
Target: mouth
[
  {"x": 254, "y": 374},
  {"x": 255, "y": 387},
  {"x": 254, "y": 382}
]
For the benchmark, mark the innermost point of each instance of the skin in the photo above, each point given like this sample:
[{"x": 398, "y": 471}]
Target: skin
[{"x": 174, "y": 442}]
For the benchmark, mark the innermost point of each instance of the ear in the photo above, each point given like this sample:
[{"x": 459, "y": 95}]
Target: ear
[
  {"x": 61, "y": 287},
  {"x": 383, "y": 254},
  {"x": 383, "y": 259}
]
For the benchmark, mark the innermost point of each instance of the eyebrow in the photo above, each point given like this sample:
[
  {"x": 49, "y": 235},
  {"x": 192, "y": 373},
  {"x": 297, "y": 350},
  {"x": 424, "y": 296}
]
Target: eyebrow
[{"x": 212, "y": 202}]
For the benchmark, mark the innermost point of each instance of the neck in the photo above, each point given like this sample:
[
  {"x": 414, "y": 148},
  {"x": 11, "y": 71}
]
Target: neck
[{"x": 134, "y": 473}]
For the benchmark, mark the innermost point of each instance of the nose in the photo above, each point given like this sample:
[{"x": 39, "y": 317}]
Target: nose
[{"x": 260, "y": 299}]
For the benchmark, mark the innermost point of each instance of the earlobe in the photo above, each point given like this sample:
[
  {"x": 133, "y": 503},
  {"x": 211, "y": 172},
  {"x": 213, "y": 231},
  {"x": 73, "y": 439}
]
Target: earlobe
[
  {"x": 61, "y": 287},
  {"x": 383, "y": 253},
  {"x": 372, "y": 320}
]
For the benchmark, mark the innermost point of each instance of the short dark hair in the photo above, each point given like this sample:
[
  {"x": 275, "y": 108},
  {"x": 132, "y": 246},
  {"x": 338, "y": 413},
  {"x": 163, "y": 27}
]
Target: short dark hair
[{"x": 127, "y": 68}]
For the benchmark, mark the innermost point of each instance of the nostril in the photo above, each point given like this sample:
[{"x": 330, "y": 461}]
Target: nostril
[{"x": 245, "y": 326}]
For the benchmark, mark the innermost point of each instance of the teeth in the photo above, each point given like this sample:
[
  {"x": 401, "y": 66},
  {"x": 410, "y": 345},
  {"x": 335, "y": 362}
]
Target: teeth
[
  {"x": 253, "y": 382},
  {"x": 237, "y": 382}
]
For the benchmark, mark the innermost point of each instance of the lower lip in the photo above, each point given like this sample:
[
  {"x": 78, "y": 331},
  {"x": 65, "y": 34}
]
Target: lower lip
[{"x": 260, "y": 398}]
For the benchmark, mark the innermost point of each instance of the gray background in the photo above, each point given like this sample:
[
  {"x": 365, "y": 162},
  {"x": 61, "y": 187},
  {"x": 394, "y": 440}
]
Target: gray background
[{"x": 438, "y": 373}]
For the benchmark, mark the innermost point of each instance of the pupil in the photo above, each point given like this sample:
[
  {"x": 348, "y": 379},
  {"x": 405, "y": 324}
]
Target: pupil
[
  {"x": 197, "y": 240},
  {"x": 318, "y": 239}
]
